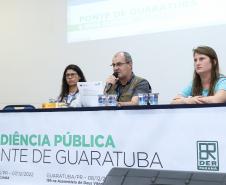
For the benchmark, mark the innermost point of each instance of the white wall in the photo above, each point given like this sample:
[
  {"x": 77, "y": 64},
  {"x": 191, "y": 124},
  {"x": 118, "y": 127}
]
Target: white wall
[{"x": 34, "y": 53}]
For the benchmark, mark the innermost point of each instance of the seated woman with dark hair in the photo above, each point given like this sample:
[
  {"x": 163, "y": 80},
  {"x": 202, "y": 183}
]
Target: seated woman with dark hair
[
  {"x": 208, "y": 85},
  {"x": 69, "y": 90}
]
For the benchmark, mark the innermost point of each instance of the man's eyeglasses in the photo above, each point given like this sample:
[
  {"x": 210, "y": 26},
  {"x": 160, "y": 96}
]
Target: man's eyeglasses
[
  {"x": 72, "y": 75},
  {"x": 119, "y": 64}
]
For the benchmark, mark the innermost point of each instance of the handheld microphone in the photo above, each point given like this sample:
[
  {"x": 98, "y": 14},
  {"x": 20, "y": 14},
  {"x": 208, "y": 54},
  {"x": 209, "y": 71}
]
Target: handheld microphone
[
  {"x": 109, "y": 85},
  {"x": 115, "y": 74}
]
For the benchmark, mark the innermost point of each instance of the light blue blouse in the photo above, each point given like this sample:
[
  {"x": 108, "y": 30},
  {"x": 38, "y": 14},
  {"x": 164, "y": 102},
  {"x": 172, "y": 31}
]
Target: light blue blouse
[
  {"x": 220, "y": 85},
  {"x": 72, "y": 100}
]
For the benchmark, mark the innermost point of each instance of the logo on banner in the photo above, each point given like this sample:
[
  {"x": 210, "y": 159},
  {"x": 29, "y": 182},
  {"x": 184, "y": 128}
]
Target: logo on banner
[{"x": 208, "y": 156}]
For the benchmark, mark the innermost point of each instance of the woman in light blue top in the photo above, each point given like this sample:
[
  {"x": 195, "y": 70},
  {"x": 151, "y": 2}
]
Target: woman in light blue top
[
  {"x": 69, "y": 90},
  {"x": 208, "y": 85}
]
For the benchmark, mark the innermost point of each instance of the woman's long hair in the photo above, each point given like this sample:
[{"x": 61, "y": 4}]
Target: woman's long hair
[
  {"x": 65, "y": 86},
  {"x": 197, "y": 84}
]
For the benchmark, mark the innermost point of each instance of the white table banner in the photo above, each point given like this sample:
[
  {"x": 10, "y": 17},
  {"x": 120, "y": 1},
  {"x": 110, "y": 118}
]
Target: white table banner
[{"x": 80, "y": 147}]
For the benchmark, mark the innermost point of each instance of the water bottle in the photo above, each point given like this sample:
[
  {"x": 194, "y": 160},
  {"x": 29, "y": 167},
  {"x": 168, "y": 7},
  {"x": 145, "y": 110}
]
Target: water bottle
[
  {"x": 153, "y": 98},
  {"x": 101, "y": 100},
  {"x": 112, "y": 100},
  {"x": 143, "y": 98}
]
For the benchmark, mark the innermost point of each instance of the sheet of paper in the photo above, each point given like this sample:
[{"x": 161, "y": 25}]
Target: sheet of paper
[{"x": 89, "y": 92}]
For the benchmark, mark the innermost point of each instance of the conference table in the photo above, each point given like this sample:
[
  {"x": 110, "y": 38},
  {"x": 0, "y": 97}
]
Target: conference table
[{"x": 81, "y": 145}]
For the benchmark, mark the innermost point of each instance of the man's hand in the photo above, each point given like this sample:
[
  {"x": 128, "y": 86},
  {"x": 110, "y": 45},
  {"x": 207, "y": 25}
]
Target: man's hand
[{"x": 111, "y": 80}]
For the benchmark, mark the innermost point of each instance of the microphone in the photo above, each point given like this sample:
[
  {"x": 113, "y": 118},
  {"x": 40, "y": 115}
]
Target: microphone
[
  {"x": 115, "y": 74},
  {"x": 109, "y": 85}
]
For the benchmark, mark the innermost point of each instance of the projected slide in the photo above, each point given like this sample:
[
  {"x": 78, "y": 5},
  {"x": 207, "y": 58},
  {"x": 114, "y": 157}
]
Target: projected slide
[{"x": 102, "y": 19}]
